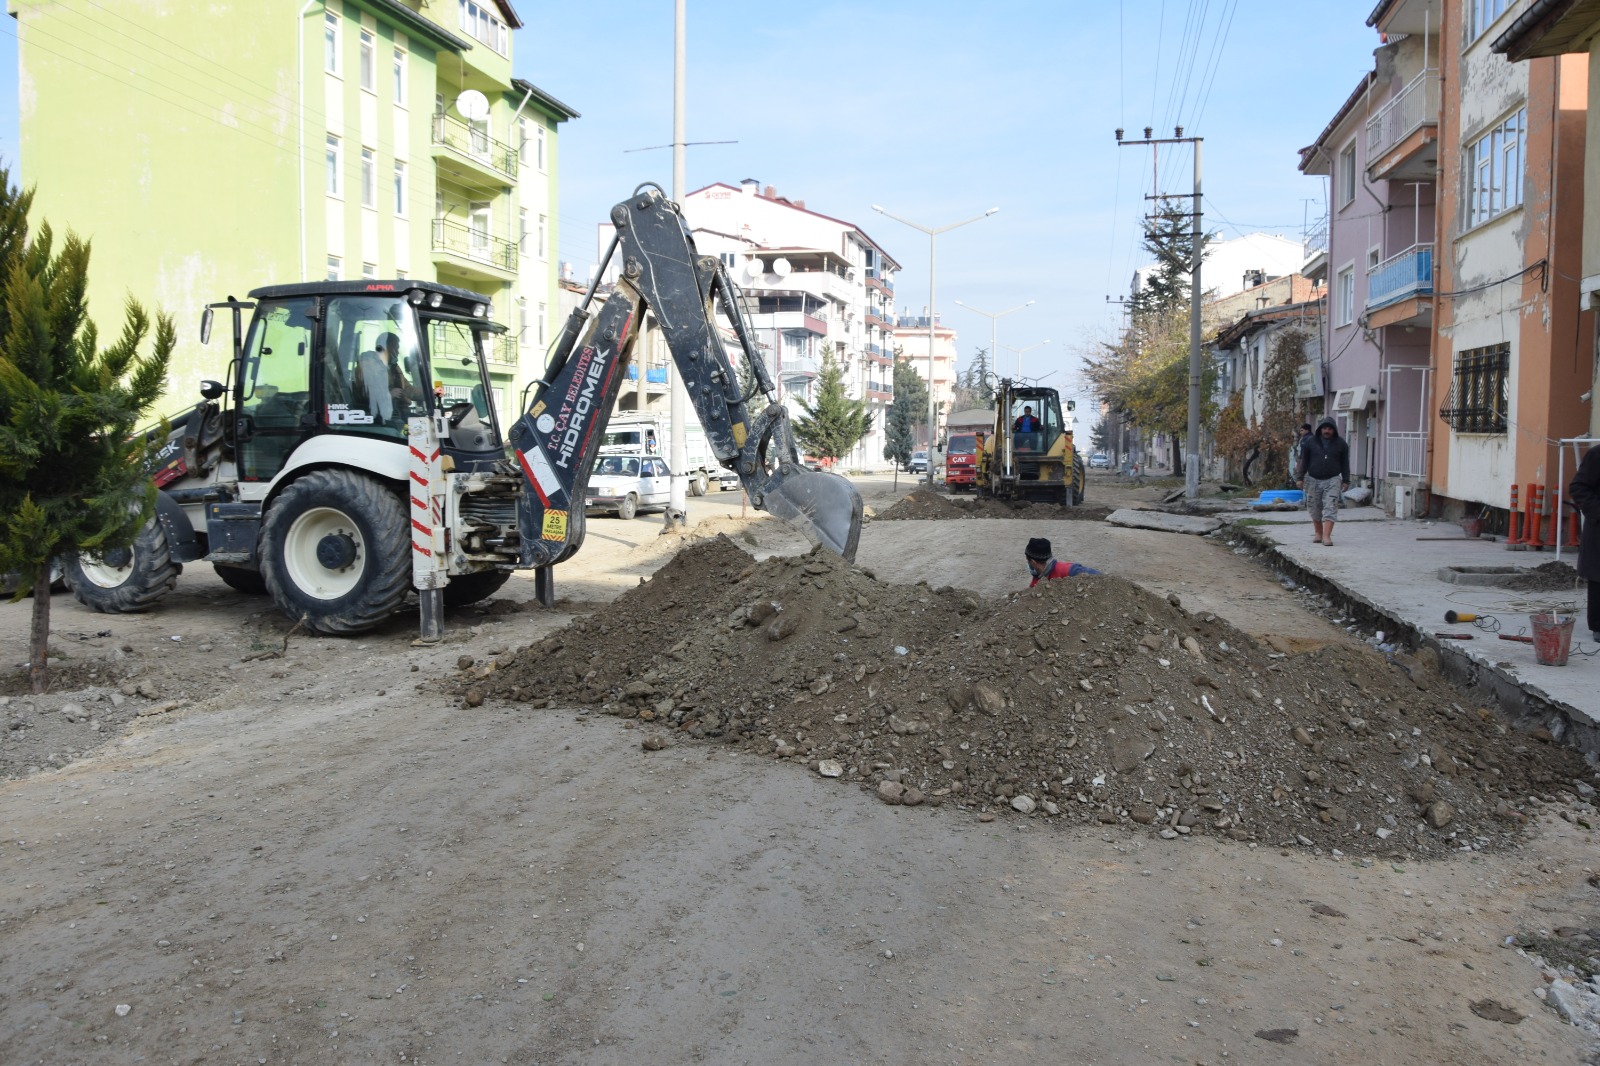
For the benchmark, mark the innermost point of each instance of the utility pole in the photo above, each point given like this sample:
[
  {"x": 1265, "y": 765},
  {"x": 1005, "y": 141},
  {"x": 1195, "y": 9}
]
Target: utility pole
[
  {"x": 1191, "y": 461},
  {"x": 678, "y": 403}
]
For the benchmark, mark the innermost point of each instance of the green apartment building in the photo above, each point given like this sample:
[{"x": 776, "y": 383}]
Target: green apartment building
[{"x": 207, "y": 148}]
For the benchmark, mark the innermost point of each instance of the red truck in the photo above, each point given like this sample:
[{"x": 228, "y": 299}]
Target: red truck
[{"x": 961, "y": 463}]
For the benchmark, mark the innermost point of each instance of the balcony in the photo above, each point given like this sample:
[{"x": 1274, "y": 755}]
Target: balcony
[
  {"x": 453, "y": 343},
  {"x": 1407, "y": 274},
  {"x": 876, "y": 317},
  {"x": 798, "y": 366},
  {"x": 880, "y": 284},
  {"x": 654, "y": 377},
  {"x": 789, "y": 321},
  {"x": 474, "y": 251},
  {"x": 1402, "y": 137},
  {"x": 470, "y": 155}
]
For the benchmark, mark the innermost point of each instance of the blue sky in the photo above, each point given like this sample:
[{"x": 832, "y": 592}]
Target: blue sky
[{"x": 939, "y": 110}]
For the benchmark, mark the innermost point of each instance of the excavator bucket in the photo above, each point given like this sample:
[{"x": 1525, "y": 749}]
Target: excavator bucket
[{"x": 825, "y": 507}]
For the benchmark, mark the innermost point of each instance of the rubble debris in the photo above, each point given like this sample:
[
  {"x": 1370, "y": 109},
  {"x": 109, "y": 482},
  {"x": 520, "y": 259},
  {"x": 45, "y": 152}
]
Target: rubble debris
[{"x": 924, "y": 504}]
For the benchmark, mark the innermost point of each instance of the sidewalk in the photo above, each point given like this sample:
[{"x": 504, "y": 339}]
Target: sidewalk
[{"x": 1390, "y": 567}]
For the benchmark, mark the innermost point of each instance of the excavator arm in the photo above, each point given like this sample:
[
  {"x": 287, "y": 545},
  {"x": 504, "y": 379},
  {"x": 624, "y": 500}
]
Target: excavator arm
[{"x": 558, "y": 436}]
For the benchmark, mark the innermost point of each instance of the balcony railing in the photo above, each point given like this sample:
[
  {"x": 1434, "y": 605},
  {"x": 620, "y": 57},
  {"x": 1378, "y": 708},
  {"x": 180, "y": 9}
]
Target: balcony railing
[
  {"x": 655, "y": 375},
  {"x": 1415, "y": 105},
  {"x": 873, "y": 281},
  {"x": 797, "y": 366},
  {"x": 452, "y": 343},
  {"x": 1407, "y": 453},
  {"x": 471, "y": 242},
  {"x": 473, "y": 143},
  {"x": 1315, "y": 237},
  {"x": 1409, "y": 273}
]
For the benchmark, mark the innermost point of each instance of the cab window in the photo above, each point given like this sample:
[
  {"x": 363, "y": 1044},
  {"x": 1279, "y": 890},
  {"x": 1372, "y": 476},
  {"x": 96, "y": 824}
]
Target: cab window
[
  {"x": 274, "y": 384},
  {"x": 373, "y": 375}
]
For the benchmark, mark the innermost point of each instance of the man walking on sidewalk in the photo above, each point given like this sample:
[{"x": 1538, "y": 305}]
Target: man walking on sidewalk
[
  {"x": 1323, "y": 471},
  {"x": 1585, "y": 493}
]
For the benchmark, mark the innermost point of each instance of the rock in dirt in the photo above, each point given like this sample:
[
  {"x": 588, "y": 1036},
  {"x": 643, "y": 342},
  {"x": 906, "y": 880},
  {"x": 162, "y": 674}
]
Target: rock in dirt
[
  {"x": 654, "y": 742},
  {"x": 1489, "y": 1010},
  {"x": 830, "y": 768},
  {"x": 1278, "y": 1036}
]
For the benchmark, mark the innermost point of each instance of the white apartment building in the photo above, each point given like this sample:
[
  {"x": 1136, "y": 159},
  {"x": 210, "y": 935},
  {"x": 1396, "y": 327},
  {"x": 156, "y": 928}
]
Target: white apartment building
[
  {"x": 814, "y": 286},
  {"x": 911, "y": 337}
]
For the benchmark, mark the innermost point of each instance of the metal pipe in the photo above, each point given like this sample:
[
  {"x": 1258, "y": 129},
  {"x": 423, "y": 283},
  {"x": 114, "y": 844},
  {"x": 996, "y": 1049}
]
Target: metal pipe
[{"x": 300, "y": 143}]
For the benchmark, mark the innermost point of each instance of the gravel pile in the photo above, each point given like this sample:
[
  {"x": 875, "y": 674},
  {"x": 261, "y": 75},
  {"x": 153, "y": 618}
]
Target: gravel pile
[{"x": 1087, "y": 700}]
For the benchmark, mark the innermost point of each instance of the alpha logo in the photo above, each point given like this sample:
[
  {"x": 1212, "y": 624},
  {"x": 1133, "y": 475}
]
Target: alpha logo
[{"x": 342, "y": 414}]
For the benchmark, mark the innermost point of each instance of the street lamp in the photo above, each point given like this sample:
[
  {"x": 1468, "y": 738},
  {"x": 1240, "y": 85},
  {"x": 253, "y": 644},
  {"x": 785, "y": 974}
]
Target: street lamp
[
  {"x": 994, "y": 317},
  {"x": 933, "y": 260},
  {"x": 1020, "y": 352}
]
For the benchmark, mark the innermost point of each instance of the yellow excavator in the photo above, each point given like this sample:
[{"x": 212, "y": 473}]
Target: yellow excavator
[{"x": 1029, "y": 454}]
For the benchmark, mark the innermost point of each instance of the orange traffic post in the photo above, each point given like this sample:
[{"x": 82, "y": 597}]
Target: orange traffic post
[
  {"x": 1535, "y": 524},
  {"x": 1513, "y": 521}
]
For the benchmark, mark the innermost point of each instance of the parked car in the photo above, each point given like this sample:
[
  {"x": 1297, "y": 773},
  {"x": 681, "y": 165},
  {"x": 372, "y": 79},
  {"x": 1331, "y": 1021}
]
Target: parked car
[
  {"x": 628, "y": 484},
  {"x": 727, "y": 480},
  {"x": 919, "y": 462},
  {"x": 1099, "y": 461}
]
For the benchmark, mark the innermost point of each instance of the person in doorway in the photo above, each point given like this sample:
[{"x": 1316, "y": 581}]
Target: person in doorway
[
  {"x": 1025, "y": 422},
  {"x": 387, "y": 387},
  {"x": 1585, "y": 494},
  {"x": 1045, "y": 567},
  {"x": 1323, "y": 471}
]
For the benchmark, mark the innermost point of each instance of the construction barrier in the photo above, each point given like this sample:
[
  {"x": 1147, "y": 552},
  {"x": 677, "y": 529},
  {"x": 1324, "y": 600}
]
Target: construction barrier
[{"x": 1514, "y": 523}]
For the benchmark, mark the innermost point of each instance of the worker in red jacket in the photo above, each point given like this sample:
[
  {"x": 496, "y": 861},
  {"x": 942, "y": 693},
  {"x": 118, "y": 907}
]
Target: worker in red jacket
[{"x": 1045, "y": 568}]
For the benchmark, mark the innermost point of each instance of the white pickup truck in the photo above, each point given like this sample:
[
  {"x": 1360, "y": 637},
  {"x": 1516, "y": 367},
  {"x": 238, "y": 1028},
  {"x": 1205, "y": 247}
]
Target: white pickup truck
[{"x": 650, "y": 434}]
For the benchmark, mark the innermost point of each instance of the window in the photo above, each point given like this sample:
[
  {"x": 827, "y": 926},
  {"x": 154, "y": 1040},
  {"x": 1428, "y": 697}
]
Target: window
[
  {"x": 400, "y": 188},
  {"x": 400, "y": 76},
  {"x": 478, "y": 224},
  {"x": 1374, "y": 257},
  {"x": 478, "y": 136},
  {"x": 369, "y": 178},
  {"x": 1347, "y": 174},
  {"x": 1478, "y": 390},
  {"x": 369, "y": 271},
  {"x": 335, "y": 267},
  {"x": 522, "y": 231},
  {"x": 479, "y": 20},
  {"x": 401, "y": 275},
  {"x": 369, "y": 62},
  {"x": 335, "y": 164},
  {"x": 539, "y": 139},
  {"x": 1492, "y": 170},
  {"x": 544, "y": 226},
  {"x": 1345, "y": 295},
  {"x": 522, "y": 140},
  {"x": 522, "y": 322},
  {"x": 1481, "y": 15},
  {"x": 330, "y": 42},
  {"x": 373, "y": 375},
  {"x": 542, "y": 341}
]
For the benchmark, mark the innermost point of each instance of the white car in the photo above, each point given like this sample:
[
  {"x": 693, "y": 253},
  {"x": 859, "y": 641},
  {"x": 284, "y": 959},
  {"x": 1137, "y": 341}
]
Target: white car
[
  {"x": 1099, "y": 461},
  {"x": 919, "y": 462},
  {"x": 728, "y": 480},
  {"x": 628, "y": 484}
]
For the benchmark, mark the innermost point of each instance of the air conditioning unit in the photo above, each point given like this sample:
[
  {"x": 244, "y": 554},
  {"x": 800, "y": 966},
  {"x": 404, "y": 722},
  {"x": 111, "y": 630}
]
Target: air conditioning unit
[{"x": 1355, "y": 398}]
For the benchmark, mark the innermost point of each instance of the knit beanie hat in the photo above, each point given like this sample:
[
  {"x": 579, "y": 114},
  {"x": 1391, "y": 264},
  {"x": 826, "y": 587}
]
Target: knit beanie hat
[{"x": 1038, "y": 548}]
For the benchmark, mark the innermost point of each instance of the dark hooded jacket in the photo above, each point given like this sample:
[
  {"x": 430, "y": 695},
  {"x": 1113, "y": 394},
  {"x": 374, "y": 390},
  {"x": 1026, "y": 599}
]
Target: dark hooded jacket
[
  {"x": 1585, "y": 495},
  {"x": 1323, "y": 459}
]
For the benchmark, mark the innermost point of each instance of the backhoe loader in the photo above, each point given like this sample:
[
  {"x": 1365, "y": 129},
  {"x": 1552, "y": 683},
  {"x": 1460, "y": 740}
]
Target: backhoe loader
[
  {"x": 1028, "y": 454},
  {"x": 324, "y": 472}
]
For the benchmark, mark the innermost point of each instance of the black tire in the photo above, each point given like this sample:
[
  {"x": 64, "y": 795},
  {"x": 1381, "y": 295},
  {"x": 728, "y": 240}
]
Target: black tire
[
  {"x": 249, "y": 582},
  {"x": 362, "y": 524},
  {"x": 699, "y": 484},
  {"x": 470, "y": 588},
  {"x": 628, "y": 507},
  {"x": 148, "y": 574}
]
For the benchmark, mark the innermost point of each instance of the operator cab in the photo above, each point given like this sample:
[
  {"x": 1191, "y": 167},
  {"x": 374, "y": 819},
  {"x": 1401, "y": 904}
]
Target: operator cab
[
  {"x": 360, "y": 359},
  {"x": 1036, "y": 420}
]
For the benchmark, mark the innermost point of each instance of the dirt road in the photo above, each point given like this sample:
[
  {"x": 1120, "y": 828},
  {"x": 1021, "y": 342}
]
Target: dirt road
[{"x": 320, "y": 858}]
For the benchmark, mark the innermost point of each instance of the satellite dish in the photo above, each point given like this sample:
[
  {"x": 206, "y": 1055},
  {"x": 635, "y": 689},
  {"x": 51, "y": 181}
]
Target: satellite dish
[
  {"x": 780, "y": 267},
  {"x": 754, "y": 268},
  {"x": 472, "y": 105}
]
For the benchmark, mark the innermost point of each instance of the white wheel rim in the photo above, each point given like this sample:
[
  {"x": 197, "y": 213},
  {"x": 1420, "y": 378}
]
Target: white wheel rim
[
  {"x": 300, "y": 554},
  {"x": 103, "y": 574}
]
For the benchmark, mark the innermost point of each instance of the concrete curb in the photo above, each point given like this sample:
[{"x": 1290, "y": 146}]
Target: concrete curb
[{"x": 1528, "y": 711}]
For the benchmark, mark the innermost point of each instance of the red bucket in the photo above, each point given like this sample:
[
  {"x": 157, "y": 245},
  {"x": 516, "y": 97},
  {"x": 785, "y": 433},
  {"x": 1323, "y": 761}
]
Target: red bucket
[{"x": 1552, "y": 638}]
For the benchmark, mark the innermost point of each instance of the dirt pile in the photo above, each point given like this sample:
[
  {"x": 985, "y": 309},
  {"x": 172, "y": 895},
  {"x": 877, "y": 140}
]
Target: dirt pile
[
  {"x": 925, "y": 505},
  {"x": 1546, "y": 577},
  {"x": 1090, "y": 700}
]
